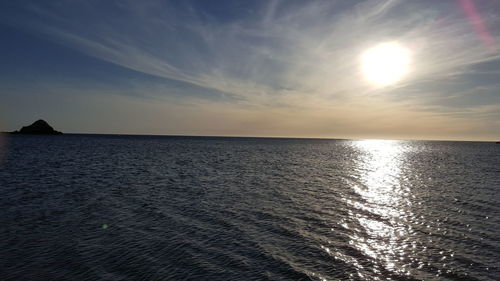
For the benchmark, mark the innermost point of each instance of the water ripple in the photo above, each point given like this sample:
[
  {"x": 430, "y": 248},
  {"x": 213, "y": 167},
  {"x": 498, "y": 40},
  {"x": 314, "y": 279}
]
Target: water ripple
[{"x": 83, "y": 207}]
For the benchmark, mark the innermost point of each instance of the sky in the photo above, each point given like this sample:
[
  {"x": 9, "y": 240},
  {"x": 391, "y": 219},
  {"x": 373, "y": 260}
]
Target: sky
[{"x": 250, "y": 68}]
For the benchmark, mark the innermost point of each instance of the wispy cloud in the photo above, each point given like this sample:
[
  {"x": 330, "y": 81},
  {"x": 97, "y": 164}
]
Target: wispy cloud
[
  {"x": 302, "y": 55},
  {"x": 308, "y": 48}
]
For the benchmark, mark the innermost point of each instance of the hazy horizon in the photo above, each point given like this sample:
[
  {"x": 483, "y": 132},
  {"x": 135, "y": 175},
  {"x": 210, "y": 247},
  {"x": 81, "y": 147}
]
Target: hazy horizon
[
  {"x": 258, "y": 137},
  {"x": 254, "y": 68}
]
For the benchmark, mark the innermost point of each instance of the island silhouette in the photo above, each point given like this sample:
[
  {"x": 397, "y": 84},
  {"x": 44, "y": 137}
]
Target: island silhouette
[{"x": 39, "y": 127}]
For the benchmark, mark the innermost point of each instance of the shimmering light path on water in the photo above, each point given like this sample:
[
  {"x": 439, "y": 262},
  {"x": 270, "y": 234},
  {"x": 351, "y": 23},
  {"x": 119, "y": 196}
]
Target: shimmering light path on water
[{"x": 84, "y": 207}]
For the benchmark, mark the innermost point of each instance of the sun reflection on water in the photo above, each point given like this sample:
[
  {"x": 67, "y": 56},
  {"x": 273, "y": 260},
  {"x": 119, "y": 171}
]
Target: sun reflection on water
[
  {"x": 380, "y": 175},
  {"x": 382, "y": 206}
]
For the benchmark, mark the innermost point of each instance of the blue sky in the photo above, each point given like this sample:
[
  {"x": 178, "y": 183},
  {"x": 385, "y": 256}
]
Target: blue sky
[{"x": 250, "y": 68}]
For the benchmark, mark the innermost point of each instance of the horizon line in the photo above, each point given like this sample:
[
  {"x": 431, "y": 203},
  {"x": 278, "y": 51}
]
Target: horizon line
[{"x": 267, "y": 137}]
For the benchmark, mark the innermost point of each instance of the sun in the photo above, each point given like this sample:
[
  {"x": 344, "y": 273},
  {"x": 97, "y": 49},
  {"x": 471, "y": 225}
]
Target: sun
[{"x": 385, "y": 64}]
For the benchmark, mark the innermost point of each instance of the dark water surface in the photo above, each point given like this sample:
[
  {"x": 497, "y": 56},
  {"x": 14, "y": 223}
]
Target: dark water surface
[{"x": 90, "y": 207}]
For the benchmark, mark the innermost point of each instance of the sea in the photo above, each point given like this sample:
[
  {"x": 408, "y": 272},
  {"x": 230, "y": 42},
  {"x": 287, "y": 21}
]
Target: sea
[{"x": 117, "y": 207}]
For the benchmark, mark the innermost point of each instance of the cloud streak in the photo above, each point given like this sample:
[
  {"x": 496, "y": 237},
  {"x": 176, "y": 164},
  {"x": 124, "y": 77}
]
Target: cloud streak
[
  {"x": 290, "y": 55},
  {"x": 308, "y": 47}
]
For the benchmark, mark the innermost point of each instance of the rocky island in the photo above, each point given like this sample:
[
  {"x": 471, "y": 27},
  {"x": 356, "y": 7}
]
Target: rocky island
[{"x": 40, "y": 127}]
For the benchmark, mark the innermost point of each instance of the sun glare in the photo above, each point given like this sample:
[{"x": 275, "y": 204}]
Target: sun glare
[{"x": 385, "y": 64}]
